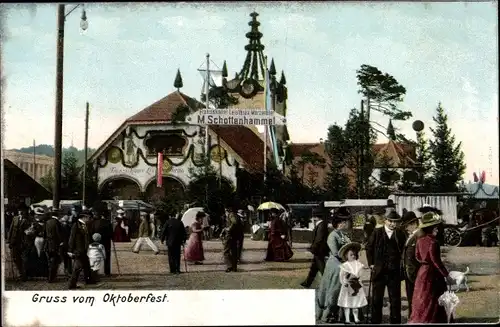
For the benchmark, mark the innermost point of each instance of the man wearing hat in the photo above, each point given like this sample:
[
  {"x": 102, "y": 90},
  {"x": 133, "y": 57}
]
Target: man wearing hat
[
  {"x": 234, "y": 232},
  {"x": 18, "y": 241},
  {"x": 54, "y": 244},
  {"x": 174, "y": 234},
  {"x": 410, "y": 263},
  {"x": 78, "y": 246},
  {"x": 384, "y": 251},
  {"x": 65, "y": 233},
  {"x": 144, "y": 235},
  {"x": 319, "y": 249}
]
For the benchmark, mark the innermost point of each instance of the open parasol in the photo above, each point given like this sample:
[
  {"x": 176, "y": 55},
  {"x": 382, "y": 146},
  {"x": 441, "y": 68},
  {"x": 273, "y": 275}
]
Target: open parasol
[
  {"x": 449, "y": 300},
  {"x": 270, "y": 205}
]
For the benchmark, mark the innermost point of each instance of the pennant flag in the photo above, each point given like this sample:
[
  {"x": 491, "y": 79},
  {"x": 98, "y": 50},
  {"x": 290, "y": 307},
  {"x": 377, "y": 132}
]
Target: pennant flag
[{"x": 159, "y": 170}]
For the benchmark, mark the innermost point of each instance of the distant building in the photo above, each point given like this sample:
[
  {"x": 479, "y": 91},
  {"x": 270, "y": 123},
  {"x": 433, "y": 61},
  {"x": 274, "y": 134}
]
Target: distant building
[
  {"x": 401, "y": 157},
  {"x": 36, "y": 166}
]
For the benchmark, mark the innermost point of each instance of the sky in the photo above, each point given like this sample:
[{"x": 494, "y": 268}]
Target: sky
[{"x": 129, "y": 55}]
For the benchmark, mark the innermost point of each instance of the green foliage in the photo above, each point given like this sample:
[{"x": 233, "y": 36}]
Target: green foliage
[
  {"x": 336, "y": 147},
  {"x": 313, "y": 159},
  {"x": 220, "y": 98},
  {"x": 71, "y": 183},
  {"x": 180, "y": 113},
  {"x": 383, "y": 92},
  {"x": 47, "y": 181},
  {"x": 359, "y": 139},
  {"x": 448, "y": 164},
  {"x": 91, "y": 185},
  {"x": 417, "y": 178},
  {"x": 178, "y": 80}
]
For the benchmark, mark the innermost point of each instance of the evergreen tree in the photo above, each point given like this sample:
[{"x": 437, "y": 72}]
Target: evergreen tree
[
  {"x": 448, "y": 164},
  {"x": 71, "y": 183},
  {"x": 178, "y": 80},
  {"x": 47, "y": 181},
  {"x": 391, "y": 133},
  {"x": 337, "y": 182}
]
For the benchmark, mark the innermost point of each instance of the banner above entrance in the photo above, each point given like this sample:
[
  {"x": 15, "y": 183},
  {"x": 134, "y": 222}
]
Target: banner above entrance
[{"x": 245, "y": 117}]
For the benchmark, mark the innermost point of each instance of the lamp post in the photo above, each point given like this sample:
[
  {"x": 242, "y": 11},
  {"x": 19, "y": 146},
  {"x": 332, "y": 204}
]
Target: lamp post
[{"x": 61, "y": 18}]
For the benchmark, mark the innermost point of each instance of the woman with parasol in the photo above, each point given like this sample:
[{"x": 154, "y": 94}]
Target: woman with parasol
[
  {"x": 432, "y": 275},
  {"x": 278, "y": 248}
]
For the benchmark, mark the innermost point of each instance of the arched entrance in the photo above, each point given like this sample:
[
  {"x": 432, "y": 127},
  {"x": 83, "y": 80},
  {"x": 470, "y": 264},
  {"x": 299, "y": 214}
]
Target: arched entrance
[
  {"x": 121, "y": 188},
  {"x": 171, "y": 187}
]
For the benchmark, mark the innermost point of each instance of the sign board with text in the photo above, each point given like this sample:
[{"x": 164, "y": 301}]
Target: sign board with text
[{"x": 242, "y": 117}]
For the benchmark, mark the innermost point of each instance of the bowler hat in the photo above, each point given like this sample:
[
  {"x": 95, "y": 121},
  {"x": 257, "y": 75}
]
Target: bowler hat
[
  {"x": 393, "y": 216},
  {"x": 379, "y": 210},
  {"x": 429, "y": 219},
  {"x": 342, "y": 213},
  {"x": 409, "y": 217},
  {"x": 428, "y": 208},
  {"x": 355, "y": 246}
]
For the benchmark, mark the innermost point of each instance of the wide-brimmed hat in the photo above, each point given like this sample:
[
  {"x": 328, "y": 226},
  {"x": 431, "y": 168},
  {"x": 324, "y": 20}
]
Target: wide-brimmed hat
[
  {"x": 355, "y": 246},
  {"x": 120, "y": 211},
  {"x": 379, "y": 210},
  {"x": 342, "y": 213},
  {"x": 429, "y": 219},
  {"x": 409, "y": 217},
  {"x": 39, "y": 211},
  {"x": 393, "y": 216},
  {"x": 428, "y": 208}
]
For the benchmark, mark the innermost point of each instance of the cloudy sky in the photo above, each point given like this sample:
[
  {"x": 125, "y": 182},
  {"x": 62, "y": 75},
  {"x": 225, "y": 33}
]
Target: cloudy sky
[{"x": 128, "y": 57}]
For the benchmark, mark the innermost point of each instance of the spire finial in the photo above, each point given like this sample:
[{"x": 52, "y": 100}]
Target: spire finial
[
  {"x": 272, "y": 69},
  {"x": 252, "y": 67},
  {"x": 178, "y": 80},
  {"x": 282, "y": 79},
  {"x": 224, "y": 69}
]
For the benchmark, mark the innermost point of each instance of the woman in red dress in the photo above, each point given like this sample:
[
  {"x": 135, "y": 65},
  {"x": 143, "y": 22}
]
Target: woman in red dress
[
  {"x": 432, "y": 276},
  {"x": 278, "y": 248},
  {"x": 120, "y": 233},
  {"x": 194, "y": 248}
]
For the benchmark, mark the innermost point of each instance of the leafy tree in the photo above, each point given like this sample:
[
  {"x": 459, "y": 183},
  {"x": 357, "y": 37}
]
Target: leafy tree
[
  {"x": 71, "y": 184},
  {"x": 448, "y": 164},
  {"x": 337, "y": 182},
  {"x": 47, "y": 181},
  {"x": 382, "y": 92},
  {"x": 388, "y": 177}
]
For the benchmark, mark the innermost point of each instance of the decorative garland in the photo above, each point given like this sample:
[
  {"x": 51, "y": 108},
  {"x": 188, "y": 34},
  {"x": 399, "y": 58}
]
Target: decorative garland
[{"x": 480, "y": 187}]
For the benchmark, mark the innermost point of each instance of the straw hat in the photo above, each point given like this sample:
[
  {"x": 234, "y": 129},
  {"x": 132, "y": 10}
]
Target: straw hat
[
  {"x": 355, "y": 246},
  {"x": 429, "y": 219}
]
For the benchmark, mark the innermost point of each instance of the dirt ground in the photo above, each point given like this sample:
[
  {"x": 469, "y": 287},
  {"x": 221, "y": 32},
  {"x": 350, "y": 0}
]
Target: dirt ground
[{"x": 148, "y": 271}]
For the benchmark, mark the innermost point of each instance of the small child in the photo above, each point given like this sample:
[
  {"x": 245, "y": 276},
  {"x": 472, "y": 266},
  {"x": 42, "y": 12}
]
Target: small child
[
  {"x": 352, "y": 295},
  {"x": 97, "y": 255}
]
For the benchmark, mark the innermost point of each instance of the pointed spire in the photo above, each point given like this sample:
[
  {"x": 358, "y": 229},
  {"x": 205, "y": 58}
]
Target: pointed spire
[
  {"x": 254, "y": 58},
  {"x": 178, "y": 80},
  {"x": 224, "y": 69},
  {"x": 272, "y": 69},
  {"x": 282, "y": 79},
  {"x": 391, "y": 132}
]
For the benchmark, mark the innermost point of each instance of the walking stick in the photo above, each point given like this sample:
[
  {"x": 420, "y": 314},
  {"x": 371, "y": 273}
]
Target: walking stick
[
  {"x": 368, "y": 310},
  {"x": 184, "y": 255},
  {"x": 116, "y": 258}
]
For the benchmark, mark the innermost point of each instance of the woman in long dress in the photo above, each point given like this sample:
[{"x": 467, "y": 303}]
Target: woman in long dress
[
  {"x": 329, "y": 286},
  {"x": 432, "y": 275},
  {"x": 120, "y": 233},
  {"x": 194, "y": 248},
  {"x": 278, "y": 248}
]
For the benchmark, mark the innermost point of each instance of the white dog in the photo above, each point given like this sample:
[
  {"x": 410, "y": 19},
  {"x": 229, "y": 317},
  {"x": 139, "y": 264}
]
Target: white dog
[{"x": 460, "y": 279}]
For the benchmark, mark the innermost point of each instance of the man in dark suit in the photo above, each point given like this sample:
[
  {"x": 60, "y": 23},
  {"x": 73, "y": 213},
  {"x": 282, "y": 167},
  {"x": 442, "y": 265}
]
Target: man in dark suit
[
  {"x": 102, "y": 225},
  {"x": 78, "y": 246},
  {"x": 410, "y": 263},
  {"x": 174, "y": 234},
  {"x": 235, "y": 235},
  {"x": 384, "y": 251},
  {"x": 19, "y": 241},
  {"x": 54, "y": 243},
  {"x": 319, "y": 249}
]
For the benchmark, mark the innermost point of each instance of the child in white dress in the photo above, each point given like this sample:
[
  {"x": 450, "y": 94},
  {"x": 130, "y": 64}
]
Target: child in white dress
[
  {"x": 97, "y": 255},
  {"x": 352, "y": 295}
]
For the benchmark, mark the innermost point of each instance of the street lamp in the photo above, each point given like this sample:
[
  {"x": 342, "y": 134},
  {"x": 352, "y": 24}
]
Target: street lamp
[{"x": 61, "y": 18}]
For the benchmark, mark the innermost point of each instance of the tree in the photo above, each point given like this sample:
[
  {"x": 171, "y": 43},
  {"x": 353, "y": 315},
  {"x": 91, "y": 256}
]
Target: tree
[
  {"x": 47, "y": 181},
  {"x": 71, "y": 183},
  {"x": 448, "y": 164},
  {"x": 388, "y": 177},
  {"x": 359, "y": 140},
  {"x": 313, "y": 160},
  {"x": 391, "y": 133},
  {"x": 337, "y": 182},
  {"x": 382, "y": 92},
  {"x": 92, "y": 194},
  {"x": 416, "y": 179}
]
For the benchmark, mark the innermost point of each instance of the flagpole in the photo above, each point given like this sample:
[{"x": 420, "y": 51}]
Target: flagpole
[
  {"x": 265, "y": 127},
  {"x": 207, "y": 152}
]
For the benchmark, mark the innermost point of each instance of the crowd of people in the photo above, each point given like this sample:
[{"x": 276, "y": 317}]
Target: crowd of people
[{"x": 397, "y": 249}]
